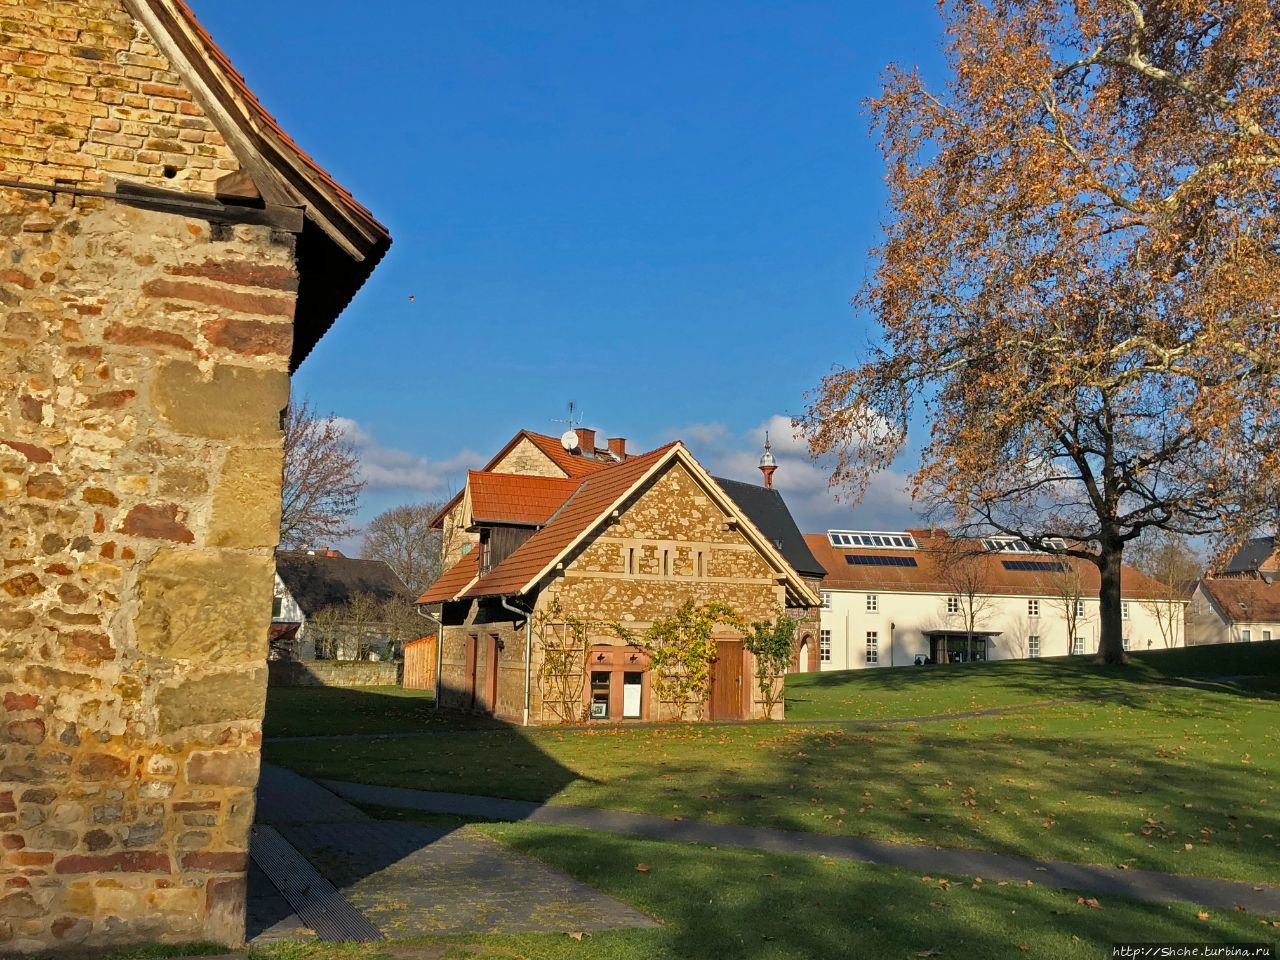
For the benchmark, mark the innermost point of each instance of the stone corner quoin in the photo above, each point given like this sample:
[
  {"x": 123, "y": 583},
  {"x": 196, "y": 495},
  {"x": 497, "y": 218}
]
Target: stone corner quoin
[{"x": 144, "y": 364}]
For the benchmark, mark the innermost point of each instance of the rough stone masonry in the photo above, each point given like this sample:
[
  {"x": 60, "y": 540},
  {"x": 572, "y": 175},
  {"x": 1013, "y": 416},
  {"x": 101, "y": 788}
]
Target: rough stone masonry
[{"x": 144, "y": 365}]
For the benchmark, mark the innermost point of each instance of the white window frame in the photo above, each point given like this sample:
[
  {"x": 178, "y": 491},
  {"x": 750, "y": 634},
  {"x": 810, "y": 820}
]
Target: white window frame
[
  {"x": 1080, "y": 611},
  {"x": 1033, "y": 608},
  {"x": 873, "y": 603},
  {"x": 824, "y": 646},
  {"x": 873, "y": 646},
  {"x": 1246, "y": 636},
  {"x": 1124, "y": 609},
  {"x": 1077, "y": 645},
  {"x": 953, "y": 604},
  {"x": 826, "y": 599},
  {"x": 1033, "y": 646}
]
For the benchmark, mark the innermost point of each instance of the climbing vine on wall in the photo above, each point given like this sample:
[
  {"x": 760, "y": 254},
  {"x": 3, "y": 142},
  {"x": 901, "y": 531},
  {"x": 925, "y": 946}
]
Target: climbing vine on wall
[
  {"x": 681, "y": 651},
  {"x": 772, "y": 645},
  {"x": 564, "y": 641}
]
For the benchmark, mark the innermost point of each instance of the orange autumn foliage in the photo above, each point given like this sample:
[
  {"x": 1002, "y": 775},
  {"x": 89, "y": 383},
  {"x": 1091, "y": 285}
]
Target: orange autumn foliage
[{"x": 1079, "y": 285}]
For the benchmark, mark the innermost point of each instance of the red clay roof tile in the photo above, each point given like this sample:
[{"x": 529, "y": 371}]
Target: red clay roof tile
[{"x": 516, "y": 498}]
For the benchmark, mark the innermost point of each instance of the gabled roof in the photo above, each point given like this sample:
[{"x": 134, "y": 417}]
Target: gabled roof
[
  {"x": 928, "y": 575},
  {"x": 768, "y": 511},
  {"x": 317, "y": 582},
  {"x": 589, "y": 504},
  {"x": 341, "y": 242},
  {"x": 570, "y": 464},
  {"x": 516, "y": 498},
  {"x": 1251, "y": 556},
  {"x": 1245, "y": 600}
]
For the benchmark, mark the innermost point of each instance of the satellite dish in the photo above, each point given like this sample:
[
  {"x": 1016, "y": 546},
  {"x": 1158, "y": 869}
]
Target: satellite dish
[{"x": 569, "y": 440}]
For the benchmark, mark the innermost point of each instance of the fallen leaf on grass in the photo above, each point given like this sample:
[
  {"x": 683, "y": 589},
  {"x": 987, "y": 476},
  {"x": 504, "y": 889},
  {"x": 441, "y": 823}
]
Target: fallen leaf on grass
[
  {"x": 642, "y": 868},
  {"x": 576, "y": 935},
  {"x": 931, "y": 952},
  {"x": 1089, "y": 902},
  {"x": 1202, "y": 916}
]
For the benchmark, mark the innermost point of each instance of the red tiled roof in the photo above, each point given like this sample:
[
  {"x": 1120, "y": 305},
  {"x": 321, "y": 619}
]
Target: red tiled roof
[
  {"x": 580, "y": 511},
  {"x": 571, "y": 465},
  {"x": 516, "y": 498},
  {"x": 927, "y": 576},
  {"x": 454, "y": 580},
  {"x": 1245, "y": 600}
]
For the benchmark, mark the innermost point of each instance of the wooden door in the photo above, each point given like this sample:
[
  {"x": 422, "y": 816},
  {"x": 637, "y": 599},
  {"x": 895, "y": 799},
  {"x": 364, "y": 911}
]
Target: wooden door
[
  {"x": 491, "y": 675},
  {"x": 727, "y": 691},
  {"x": 469, "y": 694}
]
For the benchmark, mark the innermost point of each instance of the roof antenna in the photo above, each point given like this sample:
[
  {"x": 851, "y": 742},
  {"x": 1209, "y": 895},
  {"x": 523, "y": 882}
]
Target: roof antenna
[{"x": 569, "y": 440}]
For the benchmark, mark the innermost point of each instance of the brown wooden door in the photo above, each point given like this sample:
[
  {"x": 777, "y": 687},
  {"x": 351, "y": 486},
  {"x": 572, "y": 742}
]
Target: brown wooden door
[
  {"x": 491, "y": 675},
  {"x": 469, "y": 695},
  {"x": 726, "y": 681}
]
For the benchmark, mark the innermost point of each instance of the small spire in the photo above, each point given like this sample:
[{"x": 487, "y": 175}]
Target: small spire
[{"x": 768, "y": 464}]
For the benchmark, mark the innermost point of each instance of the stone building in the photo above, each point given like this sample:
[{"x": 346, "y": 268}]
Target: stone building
[
  {"x": 557, "y": 532},
  {"x": 167, "y": 257}
]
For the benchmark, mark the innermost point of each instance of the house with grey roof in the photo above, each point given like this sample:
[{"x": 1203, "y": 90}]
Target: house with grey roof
[{"x": 1239, "y": 601}]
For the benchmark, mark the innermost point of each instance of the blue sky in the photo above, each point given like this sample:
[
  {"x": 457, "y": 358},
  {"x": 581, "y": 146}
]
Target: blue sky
[{"x": 658, "y": 210}]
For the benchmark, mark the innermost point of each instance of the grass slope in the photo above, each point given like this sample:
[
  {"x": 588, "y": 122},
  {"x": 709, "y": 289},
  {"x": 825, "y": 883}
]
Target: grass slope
[{"x": 1163, "y": 777}]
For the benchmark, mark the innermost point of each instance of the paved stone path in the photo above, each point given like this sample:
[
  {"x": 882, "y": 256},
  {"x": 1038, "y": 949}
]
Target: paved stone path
[
  {"x": 1133, "y": 884},
  {"x": 411, "y": 880}
]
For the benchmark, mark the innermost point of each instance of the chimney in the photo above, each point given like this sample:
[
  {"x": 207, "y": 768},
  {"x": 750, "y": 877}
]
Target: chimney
[
  {"x": 618, "y": 447},
  {"x": 587, "y": 441}
]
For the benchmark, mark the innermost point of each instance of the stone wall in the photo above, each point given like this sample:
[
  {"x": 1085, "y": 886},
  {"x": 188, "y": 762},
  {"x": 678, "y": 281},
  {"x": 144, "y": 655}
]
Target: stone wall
[
  {"x": 333, "y": 673},
  {"x": 143, "y": 368}
]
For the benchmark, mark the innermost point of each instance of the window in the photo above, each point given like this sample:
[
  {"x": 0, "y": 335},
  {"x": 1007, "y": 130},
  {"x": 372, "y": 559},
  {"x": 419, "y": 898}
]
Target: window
[
  {"x": 1033, "y": 608},
  {"x": 1033, "y": 645},
  {"x": 1124, "y": 610},
  {"x": 666, "y": 563},
  {"x": 953, "y": 604},
  {"x": 631, "y": 559},
  {"x": 632, "y": 688},
  {"x": 1125, "y": 641},
  {"x": 1266, "y": 635},
  {"x": 276, "y": 604},
  {"x": 1077, "y": 644},
  {"x": 700, "y": 568},
  {"x": 826, "y": 600},
  {"x": 873, "y": 647},
  {"x": 1246, "y": 636},
  {"x": 873, "y": 603},
  {"x": 824, "y": 646},
  {"x": 600, "y": 694},
  {"x": 885, "y": 541},
  {"x": 1079, "y": 608}
]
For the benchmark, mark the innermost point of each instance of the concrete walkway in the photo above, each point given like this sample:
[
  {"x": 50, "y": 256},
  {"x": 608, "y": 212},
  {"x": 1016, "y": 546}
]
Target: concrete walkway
[
  {"x": 1095, "y": 880},
  {"x": 322, "y": 868}
]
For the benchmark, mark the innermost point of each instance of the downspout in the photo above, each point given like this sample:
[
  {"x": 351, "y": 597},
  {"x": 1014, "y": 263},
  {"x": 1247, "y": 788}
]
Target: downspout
[
  {"x": 528, "y": 650},
  {"x": 439, "y": 622}
]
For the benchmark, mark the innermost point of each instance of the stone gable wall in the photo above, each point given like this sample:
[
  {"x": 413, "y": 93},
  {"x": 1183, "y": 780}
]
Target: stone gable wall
[
  {"x": 143, "y": 368},
  {"x": 86, "y": 96}
]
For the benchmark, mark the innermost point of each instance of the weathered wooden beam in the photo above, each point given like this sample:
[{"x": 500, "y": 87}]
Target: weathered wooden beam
[
  {"x": 237, "y": 186},
  {"x": 288, "y": 219}
]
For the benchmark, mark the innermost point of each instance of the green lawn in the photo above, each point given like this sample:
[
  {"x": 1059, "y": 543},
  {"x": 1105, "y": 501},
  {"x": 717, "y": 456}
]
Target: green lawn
[
  {"x": 325, "y": 711},
  {"x": 742, "y": 905},
  {"x": 1164, "y": 777}
]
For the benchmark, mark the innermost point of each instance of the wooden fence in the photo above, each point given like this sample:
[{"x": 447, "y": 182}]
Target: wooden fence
[{"x": 420, "y": 664}]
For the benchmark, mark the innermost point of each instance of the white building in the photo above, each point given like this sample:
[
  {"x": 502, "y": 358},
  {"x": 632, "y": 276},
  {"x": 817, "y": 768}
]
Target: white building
[
  {"x": 915, "y": 596},
  {"x": 1240, "y": 601}
]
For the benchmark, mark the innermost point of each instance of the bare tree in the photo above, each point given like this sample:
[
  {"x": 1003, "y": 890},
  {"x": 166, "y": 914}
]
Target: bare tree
[
  {"x": 402, "y": 536},
  {"x": 401, "y": 624},
  {"x": 322, "y": 482},
  {"x": 963, "y": 565},
  {"x": 1172, "y": 563},
  {"x": 1066, "y": 593}
]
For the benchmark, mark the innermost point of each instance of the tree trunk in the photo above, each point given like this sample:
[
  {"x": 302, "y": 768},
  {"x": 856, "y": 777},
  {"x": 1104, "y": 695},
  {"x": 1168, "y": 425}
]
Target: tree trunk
[{"x": 1111, "y": 632}]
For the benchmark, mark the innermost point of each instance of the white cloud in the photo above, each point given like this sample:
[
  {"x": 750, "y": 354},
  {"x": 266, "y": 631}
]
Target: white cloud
[
  {"x": 392, "y": 469},
  {"x": 804, "y": 484}
]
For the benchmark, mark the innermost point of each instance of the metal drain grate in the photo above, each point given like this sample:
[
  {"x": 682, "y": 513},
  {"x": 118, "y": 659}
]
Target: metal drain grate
[{"x": 316, "y": 901}]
